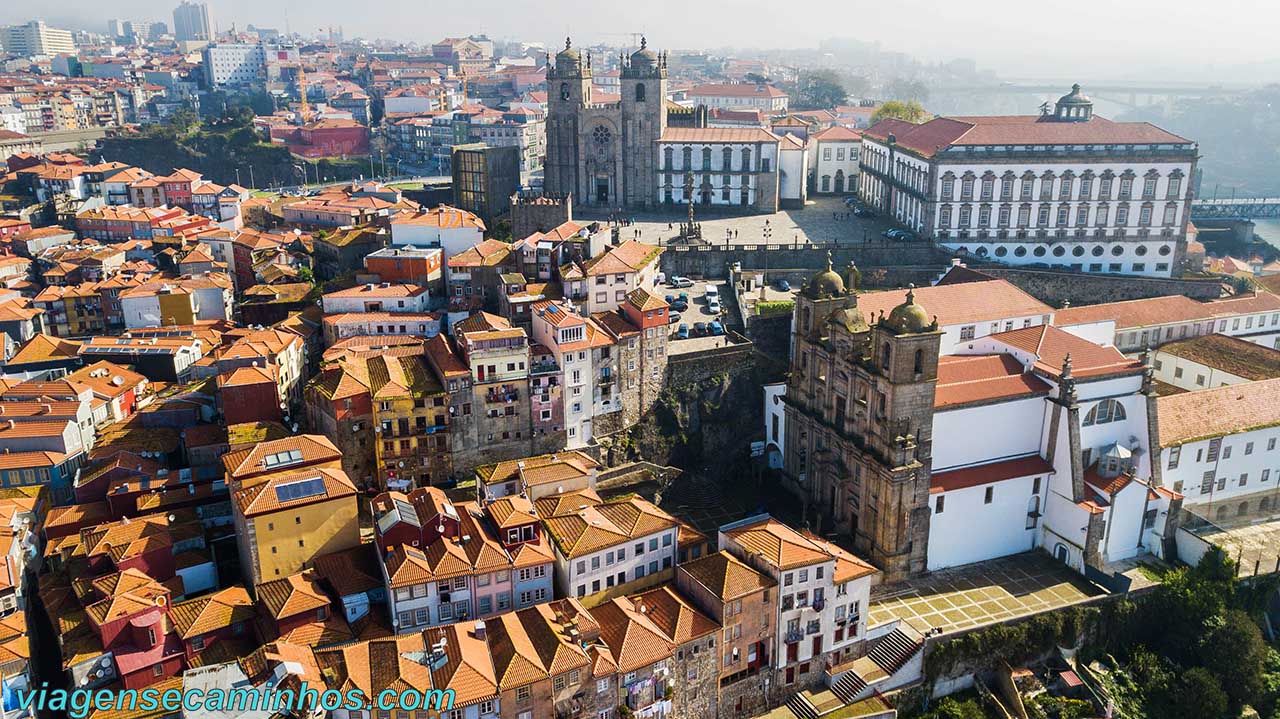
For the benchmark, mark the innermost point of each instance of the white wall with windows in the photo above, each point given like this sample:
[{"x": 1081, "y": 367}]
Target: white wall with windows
[
  {"x": 1219, "y": 468},
  {"x": 624, "y": 562},
  {"x": 986, "y": 521}
]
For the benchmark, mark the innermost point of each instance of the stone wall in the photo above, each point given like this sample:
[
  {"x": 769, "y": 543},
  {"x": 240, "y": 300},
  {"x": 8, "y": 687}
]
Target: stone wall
[
  {"x": 715, "y": 260},
  {"x": 1080, "y": 288}
]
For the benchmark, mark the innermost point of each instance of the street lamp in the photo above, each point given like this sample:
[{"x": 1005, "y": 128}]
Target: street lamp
[{"x": 764, "y": 279}]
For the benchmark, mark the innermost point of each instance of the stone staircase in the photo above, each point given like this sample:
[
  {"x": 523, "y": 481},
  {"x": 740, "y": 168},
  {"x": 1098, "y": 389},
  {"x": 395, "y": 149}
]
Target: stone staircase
[
  {"x": 888, "y": 654},
  {"x": 800, "y": 706}
]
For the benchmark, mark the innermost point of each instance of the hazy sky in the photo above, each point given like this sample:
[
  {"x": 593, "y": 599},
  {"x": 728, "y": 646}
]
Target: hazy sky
[{"x": 1016, "y": 38}]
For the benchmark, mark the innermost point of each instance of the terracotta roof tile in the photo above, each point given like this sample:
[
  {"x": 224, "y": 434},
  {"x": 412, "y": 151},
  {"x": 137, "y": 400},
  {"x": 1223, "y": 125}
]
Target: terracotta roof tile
[
  {"x": 965, "y": 379},
  {"x": 988, "y": 473},
  {"x": 1218, "y": 412}
]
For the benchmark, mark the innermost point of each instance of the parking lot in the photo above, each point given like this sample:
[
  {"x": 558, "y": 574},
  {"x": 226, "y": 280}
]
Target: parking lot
[
  {"x": 823, "y": 219},
  {"x": 697, "y": 310}
]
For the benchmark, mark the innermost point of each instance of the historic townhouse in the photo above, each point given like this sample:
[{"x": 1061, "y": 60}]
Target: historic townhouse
[
  {"x": 1064, "y": 188},
  {"x": 445, "y": 563}
]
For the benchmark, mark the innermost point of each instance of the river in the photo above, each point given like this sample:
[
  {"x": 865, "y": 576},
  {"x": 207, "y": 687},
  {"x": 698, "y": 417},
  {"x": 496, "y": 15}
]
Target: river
[{"x": 1268, "y": 230}]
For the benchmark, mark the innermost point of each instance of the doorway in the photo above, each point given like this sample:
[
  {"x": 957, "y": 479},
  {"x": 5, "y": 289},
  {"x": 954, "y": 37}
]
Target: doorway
[{"x": 602, "y": 190}]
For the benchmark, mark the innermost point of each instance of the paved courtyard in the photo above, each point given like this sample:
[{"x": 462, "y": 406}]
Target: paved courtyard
[
  {"x": 980, "y": 594},
  {"x": 823, "y": 219}
]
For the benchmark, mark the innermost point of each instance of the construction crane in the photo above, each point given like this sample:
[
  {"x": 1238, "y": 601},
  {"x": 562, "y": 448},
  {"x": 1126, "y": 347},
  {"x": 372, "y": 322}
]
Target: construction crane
[{"x": 635, "y": 36}]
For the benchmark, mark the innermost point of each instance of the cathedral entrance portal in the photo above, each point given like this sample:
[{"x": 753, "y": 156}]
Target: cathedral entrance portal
[{"x": 602, "y": 191}]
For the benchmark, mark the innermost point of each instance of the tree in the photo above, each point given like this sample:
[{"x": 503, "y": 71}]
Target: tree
[
  {"x": 950, "y": 708},
  {"x": 1234, "y": 649},
  {"x": 1196, "y": 694},
  {"x": 820, "y": 89},
  {"x": 305, "y": 275},
  {"x": 910, "y": 110},
  {"x": 755, "y": 77}
]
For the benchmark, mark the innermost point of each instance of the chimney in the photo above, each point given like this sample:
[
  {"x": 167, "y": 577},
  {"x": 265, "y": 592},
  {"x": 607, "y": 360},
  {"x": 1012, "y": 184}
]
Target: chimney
[{"x": 479, "y": 633}]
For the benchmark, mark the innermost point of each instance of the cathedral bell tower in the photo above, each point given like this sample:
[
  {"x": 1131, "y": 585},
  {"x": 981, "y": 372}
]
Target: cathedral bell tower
[
  {"x": 644, "y": 118},
  {"x": 568, "y": 92}
]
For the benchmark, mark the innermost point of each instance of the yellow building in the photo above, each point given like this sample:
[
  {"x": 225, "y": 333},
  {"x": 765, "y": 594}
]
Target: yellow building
[
  {"x": 411, "y": 419},
  {"x": 285, "y": 519}
]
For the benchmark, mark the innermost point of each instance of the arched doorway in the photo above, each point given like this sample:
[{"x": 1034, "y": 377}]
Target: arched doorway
[
  {"x": 839, "y": 182},
  {"x": 1061, "y": 553}
]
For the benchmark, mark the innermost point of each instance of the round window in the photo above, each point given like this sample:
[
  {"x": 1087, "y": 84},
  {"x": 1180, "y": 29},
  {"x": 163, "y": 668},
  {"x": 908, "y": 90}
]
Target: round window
[
  {"x": 1165, "y": 249},
  {"x": 1140, "y": 250},
  {"x": 1038, "y": 252},
  {"x": 1059, "y": 251},
  {"x": 1077, "y": 251},
  {"x": 1117, "y": 250},
  {"x": 1002, "y": 251},
  {"x": 1019, "y": 252},
  {"x": 1098, "y": 250},
  {"x": 982, "y": 252}
]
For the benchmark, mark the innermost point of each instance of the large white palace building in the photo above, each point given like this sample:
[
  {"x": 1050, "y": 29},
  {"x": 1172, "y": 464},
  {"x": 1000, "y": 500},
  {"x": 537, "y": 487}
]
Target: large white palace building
[{"x": 1065, "y": 188}]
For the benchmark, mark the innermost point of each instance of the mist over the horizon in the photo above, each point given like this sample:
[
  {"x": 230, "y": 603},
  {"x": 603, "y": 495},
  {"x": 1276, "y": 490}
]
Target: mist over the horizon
[{"x": 1176, "y": 41}]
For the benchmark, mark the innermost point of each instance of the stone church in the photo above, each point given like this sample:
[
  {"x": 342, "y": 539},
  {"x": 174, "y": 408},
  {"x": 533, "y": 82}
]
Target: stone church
[
  {"x": 859, "y": 414},
  {"x": 603, "y": 152}
]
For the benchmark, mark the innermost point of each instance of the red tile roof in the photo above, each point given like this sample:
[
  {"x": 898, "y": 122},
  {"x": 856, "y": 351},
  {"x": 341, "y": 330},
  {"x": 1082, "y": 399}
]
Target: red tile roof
[
  {"x": 988, "y": 474},
  {"x": 966, "y": 379},
  {"x": 1051, "y": 346},
  {"x": 1192, "y": 416}
]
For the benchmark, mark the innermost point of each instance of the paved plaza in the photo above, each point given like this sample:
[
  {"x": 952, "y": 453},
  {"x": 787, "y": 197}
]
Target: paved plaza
[
  {"x": 980, "y": 594},
  {"x": 824, "y": 219}
]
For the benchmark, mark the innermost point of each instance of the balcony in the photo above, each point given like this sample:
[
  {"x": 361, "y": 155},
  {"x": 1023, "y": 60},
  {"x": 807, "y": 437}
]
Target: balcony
[
  {"x": 793, "y": 636},
  {"x": 504, "y": 395}
]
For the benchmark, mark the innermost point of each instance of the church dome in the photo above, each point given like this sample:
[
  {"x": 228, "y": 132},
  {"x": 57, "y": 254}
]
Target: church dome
[
  {"x": 568, "y": 57},
  {"x": 644, "y": 58},
  {"x": 826, "y": 283},
  {"x": 1075, "y": 97},
  {"x": 909, "y": 317}
]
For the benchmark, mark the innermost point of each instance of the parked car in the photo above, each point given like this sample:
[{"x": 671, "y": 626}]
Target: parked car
[
  {"x": 712, "y": 293},
  {"x": 670, "y": 298},
  {"x": 851, "y": 202},
  {"x": 699, "y": 328},
  {"x": 673, "y": 318},
  {"x": 901, "y": 235},
  {"x": 863, "y": 212},
  {"x": 714, "y": 306},
  {"x": 683, "y": 332},
  {"x": 716, "y": 328},
  {"x": 680, "y": 305},
  {"x": 782, "y": 286},
  {"x": 678, "y": 281}
]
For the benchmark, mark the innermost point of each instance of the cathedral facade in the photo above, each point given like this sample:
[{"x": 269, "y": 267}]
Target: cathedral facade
[{"x": 604, "y": 153}]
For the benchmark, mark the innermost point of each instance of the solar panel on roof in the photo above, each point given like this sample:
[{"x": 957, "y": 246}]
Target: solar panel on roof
[{"x": 300, "y": 490}]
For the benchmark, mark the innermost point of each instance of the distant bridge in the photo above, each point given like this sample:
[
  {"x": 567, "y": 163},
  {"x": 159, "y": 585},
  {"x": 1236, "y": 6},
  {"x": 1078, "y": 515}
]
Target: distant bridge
[
  {"x": 1244, "y": 208},
  {"x": 1134, "y": 95}
]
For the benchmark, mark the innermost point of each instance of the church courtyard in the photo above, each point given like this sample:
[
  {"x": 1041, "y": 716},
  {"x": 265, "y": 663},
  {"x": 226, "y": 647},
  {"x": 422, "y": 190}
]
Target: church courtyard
[
  {"x": 977, "y": 595},
  {"x": 824, "y": 219}
]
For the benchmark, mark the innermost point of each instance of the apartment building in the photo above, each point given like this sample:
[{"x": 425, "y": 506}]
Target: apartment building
[
  {"x": 823, "y": 596},
  {"x": 600, "y": 546},
  {"x": 445, "y": 563},
  {"x": 602, "y": 283}
]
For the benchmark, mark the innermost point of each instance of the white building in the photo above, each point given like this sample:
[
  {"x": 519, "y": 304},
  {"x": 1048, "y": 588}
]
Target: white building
[
  {"x": 236, "y": 63},
  {"x": 449, "y": 228},
  {"x": 823, "y": 592},
  {"x": 834, "y": 154},
  {"x": 730, "y": 166},
  {"x": 601, "y": 545},
  {"x": 1214, "y": 361},
  {"x": 1065, "y": 464},
  {"x": 740, "y": 95},
  {"x": 585, "y": 354},
  {"x": 191, "y": 21},
  {"x": 37, "y": 39},
  {"x": 381, "y": 297},
  {"x": 1134, "y": 325},
  {"x": 1218, "y": 447},
  {"x": 602, "y": 283},
  {"x": 1067, "y": 189}
]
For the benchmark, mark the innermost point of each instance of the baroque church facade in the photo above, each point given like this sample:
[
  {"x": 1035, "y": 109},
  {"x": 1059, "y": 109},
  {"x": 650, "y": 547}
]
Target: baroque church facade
[{"x": 602, "y": 153}]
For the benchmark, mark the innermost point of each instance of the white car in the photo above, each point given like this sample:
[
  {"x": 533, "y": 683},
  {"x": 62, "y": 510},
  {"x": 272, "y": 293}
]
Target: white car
[
  {"x": 681, "y": 282},
  {"x": 713, "y": 305}
]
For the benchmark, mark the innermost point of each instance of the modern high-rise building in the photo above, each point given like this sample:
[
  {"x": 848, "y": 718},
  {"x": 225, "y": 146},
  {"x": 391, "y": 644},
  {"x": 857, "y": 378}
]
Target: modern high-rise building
[
  {"x": 191, "y": 22},
  {"x": 36, "y": 38}
]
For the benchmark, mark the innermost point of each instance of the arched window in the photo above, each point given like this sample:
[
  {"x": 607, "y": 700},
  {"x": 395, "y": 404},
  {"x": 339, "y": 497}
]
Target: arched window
[
  {"x": 688, "y": 158},
  {"x": 1108, "y": 410},
  {"x": 727, "y": 159},
  {"x": 746, "y": 159},
  {"x": 706, "y": 158},
  {"x": 668, "y": 155},
  {"x": 885, "y": 353},
  {"x": 640, "y": 92},
  {"x": 564, "y": 91},
  {"x": 919, "y": 364}
]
